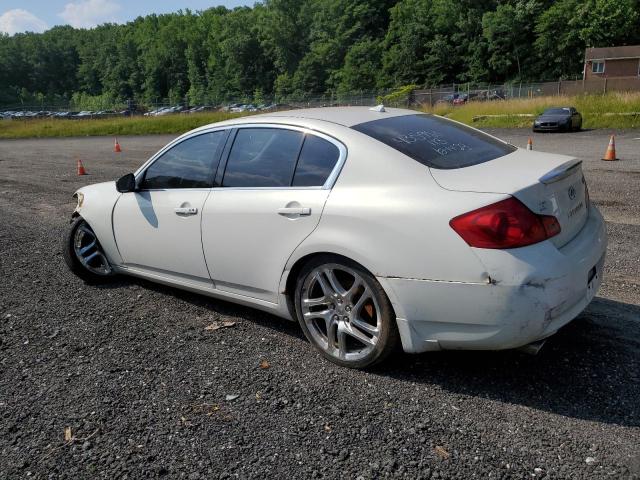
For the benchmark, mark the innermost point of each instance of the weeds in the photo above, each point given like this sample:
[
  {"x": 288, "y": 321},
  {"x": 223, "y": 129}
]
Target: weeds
[
  {"x": 595, "y": 109},
  {"x": 592, "y": 107},
  {"x": 109, "y": 126}
]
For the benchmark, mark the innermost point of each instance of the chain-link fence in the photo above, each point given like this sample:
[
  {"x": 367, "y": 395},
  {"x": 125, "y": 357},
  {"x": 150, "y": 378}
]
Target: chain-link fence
[
  {"x": 450, "y": 93},
  {"x": 461, "y": 93},
  {"x": 161, "y": 107}
]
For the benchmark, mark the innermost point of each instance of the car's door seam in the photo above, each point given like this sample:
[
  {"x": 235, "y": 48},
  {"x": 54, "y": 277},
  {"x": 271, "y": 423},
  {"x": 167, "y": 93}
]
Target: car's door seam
[
  {"x": 113, "y": 227},
  {"x": 204, "y": 256},
  {"x": 303, "y": 240}
]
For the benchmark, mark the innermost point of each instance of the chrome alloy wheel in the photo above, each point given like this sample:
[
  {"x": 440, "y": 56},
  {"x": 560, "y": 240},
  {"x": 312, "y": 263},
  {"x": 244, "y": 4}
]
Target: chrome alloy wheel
[
  {"x": 88, "y": 251},
  {"x": 341, "y": 312}
]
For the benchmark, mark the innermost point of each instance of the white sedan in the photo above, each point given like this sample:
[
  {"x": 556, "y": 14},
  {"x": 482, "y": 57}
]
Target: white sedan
[{"x": 370, "y": 227}]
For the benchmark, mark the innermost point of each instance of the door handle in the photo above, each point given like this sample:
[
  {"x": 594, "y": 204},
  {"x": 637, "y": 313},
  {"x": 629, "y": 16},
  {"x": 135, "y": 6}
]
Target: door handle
[
  {"x": 185, "y": 210},
  {"x": 302, "y": 211}
]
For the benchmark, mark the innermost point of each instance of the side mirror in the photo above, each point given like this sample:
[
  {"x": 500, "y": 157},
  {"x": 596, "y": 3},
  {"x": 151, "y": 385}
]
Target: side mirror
[{"x": 126, "y": 184}]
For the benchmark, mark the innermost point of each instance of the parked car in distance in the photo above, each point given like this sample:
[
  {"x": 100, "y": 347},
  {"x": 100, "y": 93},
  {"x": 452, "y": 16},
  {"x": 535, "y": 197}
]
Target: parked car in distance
[
  {"x": 83, "y": 114},
  {"x": 66, "y": 114},
  {"x": 237, "y": 108},
  {"x": 449, "y": 98},
  {"x": 165, "y": 111},
  {"x": 466, "y": 97},
  {"x": 197, "y": 109},
  {"x": 558, "y": 119},
  {"x": 277, "y": 107},
  {"x": 460, "y": 99},
  {"x": 370, "y": 227}
]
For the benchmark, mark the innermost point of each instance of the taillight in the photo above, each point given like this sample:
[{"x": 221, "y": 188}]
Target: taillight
[{"x": 506, "y": 224}]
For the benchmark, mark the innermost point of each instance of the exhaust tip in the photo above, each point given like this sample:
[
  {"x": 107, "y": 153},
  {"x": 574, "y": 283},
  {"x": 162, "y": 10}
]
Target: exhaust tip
[{"x": 532, "y": 348}]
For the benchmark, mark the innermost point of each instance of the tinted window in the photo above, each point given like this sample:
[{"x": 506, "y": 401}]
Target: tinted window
[
  {"x": 556, "y": 111},
  {"x": 262, "y": 157},
  {"x": 189, "y": 164},
  {"x": 435, "y": 141},
  {"x": 317, "y": 159}
]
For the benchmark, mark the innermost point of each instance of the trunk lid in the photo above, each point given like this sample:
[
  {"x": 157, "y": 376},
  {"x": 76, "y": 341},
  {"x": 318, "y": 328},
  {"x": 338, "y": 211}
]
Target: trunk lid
[{"x": 548, "y": 184}]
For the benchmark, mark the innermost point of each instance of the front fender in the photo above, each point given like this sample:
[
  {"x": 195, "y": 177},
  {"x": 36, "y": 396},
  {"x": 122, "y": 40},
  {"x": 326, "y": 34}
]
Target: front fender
[{"x": 96, "y": 208}]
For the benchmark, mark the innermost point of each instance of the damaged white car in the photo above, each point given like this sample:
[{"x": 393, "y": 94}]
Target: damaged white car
[{"x": 371, "y": 227}]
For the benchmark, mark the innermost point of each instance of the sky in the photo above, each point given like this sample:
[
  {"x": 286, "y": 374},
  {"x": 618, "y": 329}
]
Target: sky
[{"x": 39, "y": 15}]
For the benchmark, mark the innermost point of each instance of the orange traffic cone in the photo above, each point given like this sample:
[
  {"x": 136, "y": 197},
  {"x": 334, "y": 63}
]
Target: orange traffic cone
[
  {"x": 81, "y": 170},
  {"x": 611, "y": 150},
  {"x": 116, "y": 147},
  {"x": 530, "y": 144}
]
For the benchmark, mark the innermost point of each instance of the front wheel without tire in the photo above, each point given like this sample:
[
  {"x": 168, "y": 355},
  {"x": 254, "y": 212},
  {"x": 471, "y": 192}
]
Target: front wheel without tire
[
  {"x": 83, "y": 253},
  {"x": 344, "y": 312}
]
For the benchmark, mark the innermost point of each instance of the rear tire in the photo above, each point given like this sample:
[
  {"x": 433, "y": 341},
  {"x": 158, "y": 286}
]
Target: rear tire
[
  {"x": 83, "y": 254},
  {"x": 344, "y": 312}
]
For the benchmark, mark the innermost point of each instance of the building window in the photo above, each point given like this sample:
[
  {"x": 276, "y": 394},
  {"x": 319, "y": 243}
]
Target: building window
[{"x": 597, "y": 67}]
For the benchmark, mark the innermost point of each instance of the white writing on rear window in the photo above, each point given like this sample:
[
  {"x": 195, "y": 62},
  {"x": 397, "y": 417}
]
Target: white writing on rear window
[{"x": 434, "y": 139}]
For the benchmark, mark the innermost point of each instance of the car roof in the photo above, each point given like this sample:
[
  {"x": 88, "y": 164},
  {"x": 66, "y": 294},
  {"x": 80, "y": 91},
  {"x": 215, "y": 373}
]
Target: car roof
[{"x": 346, "y": 116}]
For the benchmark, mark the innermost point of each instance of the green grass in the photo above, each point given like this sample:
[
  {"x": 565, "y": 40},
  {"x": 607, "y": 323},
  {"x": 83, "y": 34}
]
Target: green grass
[
  {"x": 40, "y": 128},
  {"x": 592, "y": 107}
]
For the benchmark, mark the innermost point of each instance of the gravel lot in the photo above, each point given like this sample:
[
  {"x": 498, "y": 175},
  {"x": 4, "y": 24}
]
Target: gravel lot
[{"x": 147, "y": 392}]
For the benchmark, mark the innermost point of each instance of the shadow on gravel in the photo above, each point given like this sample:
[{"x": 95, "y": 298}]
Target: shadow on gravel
[
  {"x": 589, "y": 370},
  {"x": 218, "y": 306}
]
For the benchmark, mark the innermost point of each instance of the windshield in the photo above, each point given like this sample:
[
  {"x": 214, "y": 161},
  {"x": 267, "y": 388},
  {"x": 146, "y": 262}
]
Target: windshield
[
  {"x": 435, "y": 141},
  {"x": 556, "y": 111}
]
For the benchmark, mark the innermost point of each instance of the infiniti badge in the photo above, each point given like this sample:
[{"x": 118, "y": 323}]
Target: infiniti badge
[{"x": 572, "y": 192}]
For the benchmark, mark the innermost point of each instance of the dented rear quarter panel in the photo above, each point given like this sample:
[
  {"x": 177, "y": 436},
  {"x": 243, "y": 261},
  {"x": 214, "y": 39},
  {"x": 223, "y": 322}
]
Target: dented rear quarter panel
[{"x": 528, "y": 295}]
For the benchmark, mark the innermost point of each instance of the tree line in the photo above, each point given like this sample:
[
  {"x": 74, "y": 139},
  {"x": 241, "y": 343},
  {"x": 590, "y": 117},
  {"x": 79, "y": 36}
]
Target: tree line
[{"x": 295, "y": 48}]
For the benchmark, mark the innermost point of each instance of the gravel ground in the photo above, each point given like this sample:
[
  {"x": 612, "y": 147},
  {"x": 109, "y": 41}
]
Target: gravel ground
[{"x": 147, "y": 392}]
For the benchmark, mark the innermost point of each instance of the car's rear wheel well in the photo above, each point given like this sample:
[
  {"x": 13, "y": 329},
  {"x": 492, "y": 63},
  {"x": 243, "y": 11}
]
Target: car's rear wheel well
[
  {"x": 349, "y": 290},
  {"x": 297, "y": 267},
  {"x": 290, "y": 286}
]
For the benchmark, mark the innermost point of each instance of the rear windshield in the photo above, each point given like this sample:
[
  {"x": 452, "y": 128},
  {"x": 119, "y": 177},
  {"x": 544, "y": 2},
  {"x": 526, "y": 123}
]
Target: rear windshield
[{"x": 435, "y": 141}]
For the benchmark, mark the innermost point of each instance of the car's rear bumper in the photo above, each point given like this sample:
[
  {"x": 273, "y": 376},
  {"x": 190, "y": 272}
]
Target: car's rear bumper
[{"x": 546, "y": 289}]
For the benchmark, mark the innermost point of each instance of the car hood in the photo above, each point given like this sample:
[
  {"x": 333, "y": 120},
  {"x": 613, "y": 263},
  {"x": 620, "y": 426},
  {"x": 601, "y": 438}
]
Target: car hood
[
  {"x": 98, "y": 187},
  {"x": 102, "y": 194}
]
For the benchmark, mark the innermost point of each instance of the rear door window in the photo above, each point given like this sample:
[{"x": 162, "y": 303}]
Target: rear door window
[
  {"x": 317, "y": 160},
  {"x": 262, "y": 157},
  {"x": 435, "y": 141}
]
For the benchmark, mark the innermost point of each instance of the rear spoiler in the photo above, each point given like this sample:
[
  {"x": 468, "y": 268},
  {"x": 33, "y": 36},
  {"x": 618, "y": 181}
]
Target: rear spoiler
[{"x": 560, "y": 172}]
